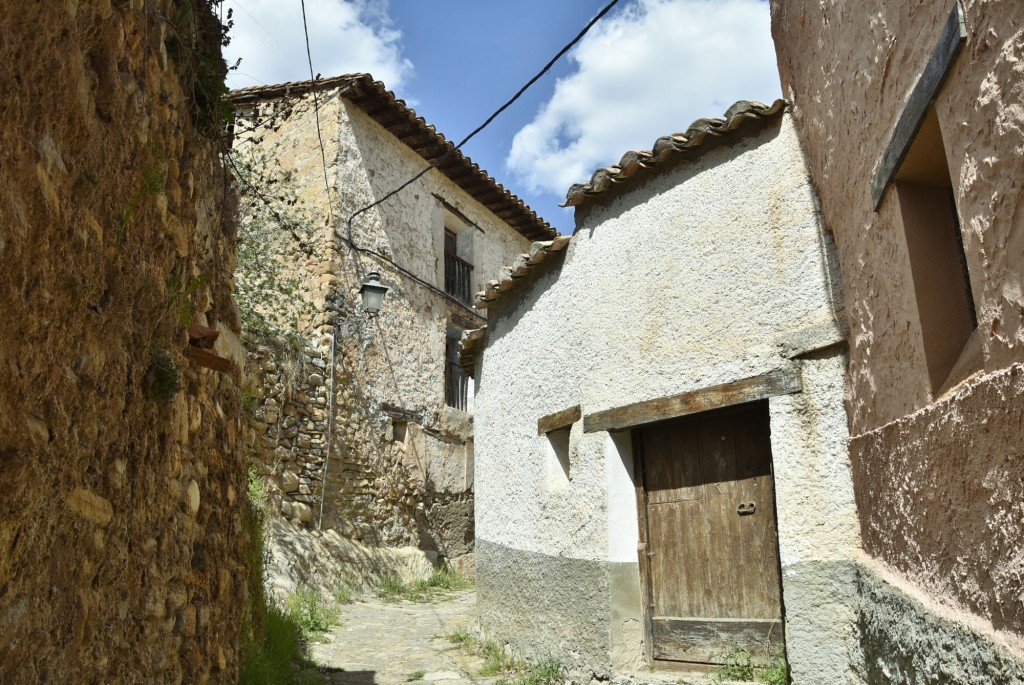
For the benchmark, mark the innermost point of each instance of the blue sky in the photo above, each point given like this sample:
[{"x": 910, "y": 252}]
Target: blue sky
[{"x": 648, "y": 68}]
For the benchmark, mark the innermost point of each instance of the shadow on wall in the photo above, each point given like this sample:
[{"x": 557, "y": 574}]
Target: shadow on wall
[
  {"x": 512, "y": 310},
  {"x": 367, "y": 372}
]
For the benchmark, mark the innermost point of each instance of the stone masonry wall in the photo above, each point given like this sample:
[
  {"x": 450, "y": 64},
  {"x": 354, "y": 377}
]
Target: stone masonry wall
[
  {"x": 120, "y": 466},
  {"x": 400, "y": 471}
]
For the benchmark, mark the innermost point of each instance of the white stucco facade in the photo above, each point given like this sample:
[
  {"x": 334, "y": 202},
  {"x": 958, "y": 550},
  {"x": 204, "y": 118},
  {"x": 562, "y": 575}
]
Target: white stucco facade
[{"x": 709, "y": 271}]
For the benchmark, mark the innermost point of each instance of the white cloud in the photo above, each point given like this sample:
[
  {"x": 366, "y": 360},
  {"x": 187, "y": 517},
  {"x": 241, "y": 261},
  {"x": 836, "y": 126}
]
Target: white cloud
[
  {"x": 344, "y": 35},
  {"x": 645, "y": 72}
]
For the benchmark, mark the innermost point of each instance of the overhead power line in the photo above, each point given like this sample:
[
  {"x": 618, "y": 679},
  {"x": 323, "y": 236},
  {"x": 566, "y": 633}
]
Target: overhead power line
[
  {"x": 316, "y": 112},
  {"x": 497, "y": 112},
  {"x": 323, "y": 154}
]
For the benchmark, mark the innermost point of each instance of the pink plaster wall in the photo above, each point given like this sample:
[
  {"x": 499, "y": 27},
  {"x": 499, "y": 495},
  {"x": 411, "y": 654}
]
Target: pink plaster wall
[{"x": 938, "y": 479}]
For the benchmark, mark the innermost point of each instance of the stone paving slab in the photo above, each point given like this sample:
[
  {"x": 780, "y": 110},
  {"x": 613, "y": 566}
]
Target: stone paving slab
[
  {"x": 382, "y": 643},
  {"x": 390, "y": 644}
]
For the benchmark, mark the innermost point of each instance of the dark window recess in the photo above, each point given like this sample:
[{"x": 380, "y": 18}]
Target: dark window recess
[
  {"x": 942, "y": 283},
  {"x": 456, "y": 381},
  {"x": 458, "y": 273}
]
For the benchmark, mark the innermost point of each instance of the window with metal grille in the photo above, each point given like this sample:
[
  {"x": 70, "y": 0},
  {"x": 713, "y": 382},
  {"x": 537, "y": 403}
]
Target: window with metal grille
[
  {"x": 456, "y": 381},
  {"x": 458, "y": 273}
]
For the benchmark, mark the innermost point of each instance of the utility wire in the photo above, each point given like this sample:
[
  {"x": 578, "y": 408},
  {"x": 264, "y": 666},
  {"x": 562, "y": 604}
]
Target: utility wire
[
  {"x": 481, "y": 127},
  {"x": 316, "y": 112},
  {"x": 348, "y": 239},
  {"x": 323, "y": 155},
  {"x": 547, "y": 67}
]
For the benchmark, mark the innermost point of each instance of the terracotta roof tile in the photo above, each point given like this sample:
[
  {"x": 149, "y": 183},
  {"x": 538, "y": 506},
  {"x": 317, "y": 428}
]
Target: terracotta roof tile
[
  {"x": 697, "y": 139},
  {"x": 393, "y": 114}
]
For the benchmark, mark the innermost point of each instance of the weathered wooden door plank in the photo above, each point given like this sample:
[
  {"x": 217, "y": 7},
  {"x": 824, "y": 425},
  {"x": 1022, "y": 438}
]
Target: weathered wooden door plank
[
  {"x": 707, "y": 641},
  {"x": 709, "y": 541}
]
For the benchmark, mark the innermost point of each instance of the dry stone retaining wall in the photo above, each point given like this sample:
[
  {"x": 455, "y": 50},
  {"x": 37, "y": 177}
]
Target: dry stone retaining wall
[{"x": 120, "y": 464}]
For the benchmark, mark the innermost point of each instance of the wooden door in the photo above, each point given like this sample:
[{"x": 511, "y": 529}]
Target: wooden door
[{"x": 709, "y": 542}]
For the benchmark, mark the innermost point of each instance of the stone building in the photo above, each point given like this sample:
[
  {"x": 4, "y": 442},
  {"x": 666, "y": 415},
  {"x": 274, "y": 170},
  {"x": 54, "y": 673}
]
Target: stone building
[
  {"x": 661, "y": 468},
  {"x": 911, "y": 118},
  {"x": 395, "y": 413}
]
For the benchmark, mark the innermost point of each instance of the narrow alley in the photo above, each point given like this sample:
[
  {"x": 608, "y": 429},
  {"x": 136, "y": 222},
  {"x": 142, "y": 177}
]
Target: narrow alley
[
  {"x": 383, "y": 643},
  {"x": 393, "y": 643}
]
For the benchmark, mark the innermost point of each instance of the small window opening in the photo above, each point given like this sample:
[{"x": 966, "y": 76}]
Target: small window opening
[
  {"x": 458, "y": 258},
  {"x": 399, "y": 429},
  {"x": 942, "y": 283},
  {"x": 456, "y": 380},
  {"x": 557, "y": 447}
]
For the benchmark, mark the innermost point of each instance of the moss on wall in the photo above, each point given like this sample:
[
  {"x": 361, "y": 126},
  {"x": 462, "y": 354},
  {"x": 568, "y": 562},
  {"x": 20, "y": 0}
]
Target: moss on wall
[{"x": 120, "y": 538}]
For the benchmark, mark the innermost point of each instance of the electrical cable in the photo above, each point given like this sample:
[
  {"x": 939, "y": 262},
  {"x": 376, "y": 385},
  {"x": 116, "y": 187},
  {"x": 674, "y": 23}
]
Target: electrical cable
[
  {"x": 481, "y": 127},
  {"x": 316, "y": 112},
  {"x": 547, "y": 67}
]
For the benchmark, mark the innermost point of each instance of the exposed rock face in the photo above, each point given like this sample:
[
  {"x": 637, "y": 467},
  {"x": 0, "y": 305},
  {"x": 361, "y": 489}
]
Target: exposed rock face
[
  {"x": 120, "y": 550},
  {"x": 327, "y": 561}
]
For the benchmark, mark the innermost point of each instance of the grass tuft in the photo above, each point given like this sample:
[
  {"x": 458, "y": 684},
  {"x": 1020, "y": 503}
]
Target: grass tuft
[
  {"x": 498, "y": 661},
  {"x": 343, "y": 594},
  {"x": 314, "y": 614},
  {"x": 738, "y": 665},
  {"x": 777, "y": 673},
  {"x": 440, "y": 584},
  {"x": 414, "y": 676},
  {"x": 271, "y": 645},
  {"x": 390, "y": 588}
]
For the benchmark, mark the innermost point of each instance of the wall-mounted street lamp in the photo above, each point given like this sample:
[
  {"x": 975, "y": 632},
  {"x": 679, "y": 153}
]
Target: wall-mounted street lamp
[{"x": 372, "y": 291}]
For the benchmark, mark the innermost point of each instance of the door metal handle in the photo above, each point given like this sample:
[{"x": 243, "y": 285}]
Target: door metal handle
[{"x": 746, "y": 508}]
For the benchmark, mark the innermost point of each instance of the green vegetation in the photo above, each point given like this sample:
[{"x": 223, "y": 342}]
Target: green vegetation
[
  {"x": 179, "y": 298},
  {"x": 414, "y": 676},
  {"x": 272, "y": 646},
  {"x": 311, "y": 612},
  {"x": 777, "y": 673},
  {"x": 163, "y": 378},
  {"x": 497, "y": 661},
  {"x": 343, "y": 594},
  {"x": 440, "y": 584},
  {"x": 738, "y": 665}
]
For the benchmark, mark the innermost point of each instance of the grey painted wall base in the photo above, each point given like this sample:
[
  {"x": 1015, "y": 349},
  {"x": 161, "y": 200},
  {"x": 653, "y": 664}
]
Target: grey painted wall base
[
  {"x": 821, "y": 609},
  {"x": 845, "y": 625},
  {"x": 905, "y": 644},
  {"x": 544, "y": 605}
]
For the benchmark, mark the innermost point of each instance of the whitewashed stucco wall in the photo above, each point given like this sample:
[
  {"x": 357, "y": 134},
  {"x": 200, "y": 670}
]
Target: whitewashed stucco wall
[
  {"x": 695, "y": 278},
  {"x": 703, "y": 274}
]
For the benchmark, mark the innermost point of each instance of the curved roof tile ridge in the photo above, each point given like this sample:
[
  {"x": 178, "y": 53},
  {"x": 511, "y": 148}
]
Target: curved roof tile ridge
[
  {"x": 693, "y": 141},
  {"x": 383, "y": 106}
]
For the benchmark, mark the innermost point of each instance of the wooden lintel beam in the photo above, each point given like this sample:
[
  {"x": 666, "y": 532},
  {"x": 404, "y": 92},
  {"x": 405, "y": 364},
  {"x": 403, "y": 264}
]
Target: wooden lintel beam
[
  {"x": 954, "y": 33},
  {"x": 560, "y": 419},
  {"x": 779, "y": 382},
  {"x": 208, "y": 359}
]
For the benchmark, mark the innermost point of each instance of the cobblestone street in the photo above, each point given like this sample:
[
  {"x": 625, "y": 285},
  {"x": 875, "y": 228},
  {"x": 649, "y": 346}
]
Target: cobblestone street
[
  {"x": 380, "y": 643},
  {"x": 388, "y": 644}
]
